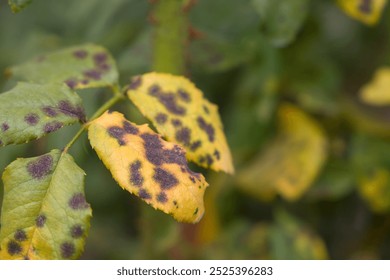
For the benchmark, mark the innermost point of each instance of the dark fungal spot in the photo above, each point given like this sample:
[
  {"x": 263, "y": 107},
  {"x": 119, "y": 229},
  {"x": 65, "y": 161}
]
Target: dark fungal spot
[
  {"x": 71, "y": 110},
  {"x": 176, "y": 205},
  {"x": 206, "y": 127},
  {"x": 217, "y": 155},
  {"x": 100, "y": 58},
  {"x": 192, "y": 179},
  {"x": 209, "y": 160},
  {"x": 184, "y": 95},
  {"x": 201, "y": 159},
  {"x": 80, "y": 54},
  {"x": 49, "y": 111},
  {"x": 67, "y": 250},
  {"x": 176, "y": 122},
  {"x": 40, "y": 220},
  {"x": 165, "y": 179},
  {"x": 196, "y": 211},
  {"x": 206, "y": 110},
  {"x": 183, "y": 135},
  {"x": 72, "y": 83},
  {"x": 167, "y": 99},
  {"x": 76, "y": 231},
  {"x": 365, "y": 6},
  {"x": 135, "y": 83},
  {"x": 136, "y": 177},
  {"x": 130, "y": 128},
  {"x": 40, "y": 167},
  {"x": 20, "y": 235},
  {"x": 52, "y": 126},
  {"x": 161, "y": 118},
  {"x": 118, "y": 133},
  {"x": 195, "y": 145},
  {"x": 162, "y": 197},
  {"x": 92, "y": 74},
  {"x": 144, "y": 194},
  {"x": 85, "y": 82},
  {"x": 13, "y": 248},
  {"x": 104, "y": 67},
  {"x": 4, "y": 127},
  {"x": 78, "y": 202},
  {"x": 31, "y": 119}
]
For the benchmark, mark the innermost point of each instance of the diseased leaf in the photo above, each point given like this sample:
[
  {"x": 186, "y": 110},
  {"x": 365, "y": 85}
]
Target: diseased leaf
[
  {"x": 44, "y": 213},
  {"x": 375, "y": 189},
  {"x": 291, "y": 161},
  {"x": 366, "y": 11},
  {"x": 149, "y": 167},
  {"x": 18, "y": 5},
  {"x": 85, "y": 66},
  {"x": 29, "y": 111},
  {"x": 181, "y": 114},
  {"x": 377, "y": 92},
  {"x": 281, "y": 20}
]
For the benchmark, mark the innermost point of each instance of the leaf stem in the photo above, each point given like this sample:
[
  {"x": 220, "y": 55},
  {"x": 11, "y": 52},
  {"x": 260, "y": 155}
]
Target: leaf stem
[{"x": 118, "y": 96}]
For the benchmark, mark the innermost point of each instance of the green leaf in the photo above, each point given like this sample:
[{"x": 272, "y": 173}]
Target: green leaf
[
  {"x": 29, "y": 111},
  {"x": 85, "y": 66},
  {"x": 44, "y": 213},
  {"x": 180, "y": 112},
  {"x": 18, "y": 5},
  {"x": 281, "y": 20},
  {"x": 291, "y": 162},
  {"x": 151, "y": 168}
]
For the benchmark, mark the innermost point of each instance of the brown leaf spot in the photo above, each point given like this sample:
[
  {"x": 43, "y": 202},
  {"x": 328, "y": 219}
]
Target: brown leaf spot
[
  {"x": 135, "y": 83},
  {"x": 206, "y": 110},
  {"x": 49, "y": 111},
  {"x": 31, "y": 119},
  {"x": 184, "y": 95},
  {"x": 136, "y": 177},
  {"x": 13, "y": 248},
  {"x": 129, "y": 128},
  {"x": 162, "y": 197},
  {"x": 52, "y": 126},
  {"x": 365, "y": 6},
  {"x": 118, "y": 133},
  {"x": 183, "y": 136},
  {"x": 76, "y": 231},
  {"x": 71, "y": 110},
  {"x": 195, "y": 145},
  {"x": 165, "y": 179},
  {"x": 144, "y": 194},
  {"x": 92, "y": 74},
  {"x": 67, "y": 250},
  {"x": 176, "y": 122},
  {"x": 40, "y": 220},
  {"x": 20, "y": 235},
  {"x": 206, "y": 127},
  {"x": 217, "y": 154},
  {"x": 78, "y": 202},
  {"x": 4, "y": 127},
  {"x": 167, "y": 99},
  {"x": 80, "y": 54},
  {"x": 100, "y": 58},
  {"x": 40, "y": 167},
  {"x": 161, "y": 118},
  {"x": 72, "y": 83}
]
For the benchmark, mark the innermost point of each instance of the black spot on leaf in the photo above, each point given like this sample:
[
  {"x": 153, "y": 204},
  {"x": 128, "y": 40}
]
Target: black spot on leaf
[
  {"x": 161, "y": 118},
  {"x": 70, "y": 110},
  {"x": 176, "y": 122},
  {"x": 154, "y": 90},
  {"x": 31, "y": 119},
  {"x": 4, "y": 127},
  {"x": 13, "y": 248},
  {"x": 162, "y": 197},
  {"x": 40, "y": 220},
  {"x": 365, "y": 6},
  {"x": 80, "y": 54},
  {"x": 52, "y": 126},
  {"x": 205, "y": 109},
  {"x": 72, "y": 83},
  {"x": 78, "y": 202},
  {"x": 167, "y": 99},
  {"x": 40, "y": 167},
  {"x": 196, "y": 211},
  {"x": 184, "y": 95},
  {"x": 67, "y": 250},
  {"x": 118, "y": 133},
  {"x": 92, "y": 74},
  {"x": 76, "y": 231},
  {"x": 136, "y": 177},
  {"x": 183, "y": 135},
  {"x": 20, "y": 235},
  {"x": 206, "y": 127},
  {"x": 100, "y": 58},
  {"x": 129, "y": 128},
  {"x": 136, "y": 82},
  {"x": 217, "y": 154},
  {"x": 165, "y": 179},
  {"x": 195, "y": 145},
  {"x": 209, "y": 160},
  {"x": 144, "y": 194},
  {"x": 49, "y": 111}
]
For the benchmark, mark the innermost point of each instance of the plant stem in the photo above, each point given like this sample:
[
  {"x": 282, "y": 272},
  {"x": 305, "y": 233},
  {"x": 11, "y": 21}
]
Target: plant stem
[
  {"x": 171, "y": 36},
  {"x": 111, "y": 102}
]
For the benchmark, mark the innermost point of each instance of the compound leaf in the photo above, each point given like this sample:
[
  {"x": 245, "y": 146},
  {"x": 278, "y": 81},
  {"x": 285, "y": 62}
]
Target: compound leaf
[
  {"x": 85, "y": 66},
  {"x": 180, "y": 113},
  {"x": 29, "y": 111},
  {"x": 291, "y": 162},
  {"x": 366, "y": 11},
  {"x": 44, "y": 212},
  {"x": 377, "y": 92},
  {"x": 18, "y": 5},
  {"x": 147, "y": 166}
]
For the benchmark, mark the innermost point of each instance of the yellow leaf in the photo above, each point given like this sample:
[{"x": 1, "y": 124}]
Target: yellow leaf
[
  {"x": 180, "y": 113},
  {"x": 149, "y": 167},
  {"x": 366, "y": 11},
  {"x": 375, "y": 189},
  {"x": 377, "y": 92},
  {"x": 291, "y": 162}
]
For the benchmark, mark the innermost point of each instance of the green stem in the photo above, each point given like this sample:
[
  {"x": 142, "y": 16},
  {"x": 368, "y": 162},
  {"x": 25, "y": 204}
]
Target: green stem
[
  {"x": 171, "y": 36},
  {"x": 111, "y": 102}
]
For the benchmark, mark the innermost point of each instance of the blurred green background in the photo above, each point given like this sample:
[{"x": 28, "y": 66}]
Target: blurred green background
[{"x": 249, "y": 57}]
